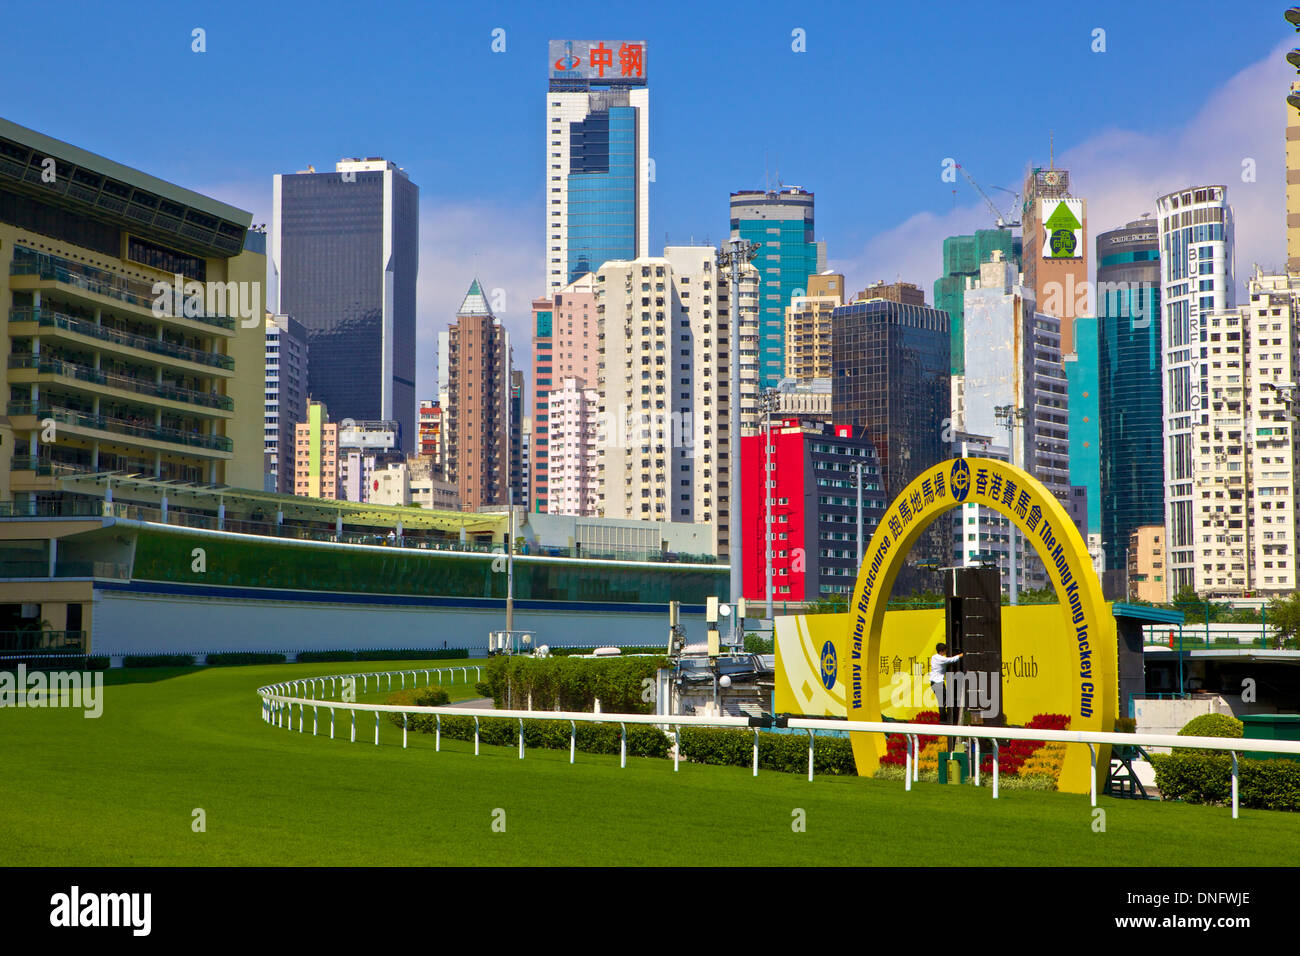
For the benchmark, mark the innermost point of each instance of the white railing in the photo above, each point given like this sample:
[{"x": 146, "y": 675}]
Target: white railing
[{"x": 276, "y": 706}]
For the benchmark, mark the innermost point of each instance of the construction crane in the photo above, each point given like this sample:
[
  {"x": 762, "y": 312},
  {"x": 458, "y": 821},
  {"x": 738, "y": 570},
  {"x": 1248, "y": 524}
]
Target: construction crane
[{"x": 1002, "y": 221}]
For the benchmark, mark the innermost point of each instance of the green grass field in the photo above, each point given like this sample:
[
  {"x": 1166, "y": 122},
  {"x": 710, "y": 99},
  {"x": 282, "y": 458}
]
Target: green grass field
[{"x": 120, "y": 790}]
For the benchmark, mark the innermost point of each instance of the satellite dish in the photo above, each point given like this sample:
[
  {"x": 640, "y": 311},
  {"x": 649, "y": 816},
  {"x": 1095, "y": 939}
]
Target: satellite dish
[{"x": 724, "y": 610}]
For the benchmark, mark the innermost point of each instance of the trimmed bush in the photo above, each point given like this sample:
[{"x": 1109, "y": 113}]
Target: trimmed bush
[
  {"x": 158, "y": 660},
  {"x": 787, "y": 753},
  {"x": 1202, "y": 777},
  {"x": 483, "y": 689},
  {"x": 1212, "y": 725},
  {"x": 97, "y": 663},
  {"x": 419, "y": 697},
  {"x": 241, "y": 658},
  {"x": 574, "y": 684}
]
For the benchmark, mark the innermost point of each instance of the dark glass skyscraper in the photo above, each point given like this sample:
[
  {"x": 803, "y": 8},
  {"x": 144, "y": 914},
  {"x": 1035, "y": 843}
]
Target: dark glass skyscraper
[
  {"x": 890, "y": 376},
  {"x": 1129, "y": 379},
  {"x": 344, "y": 259}
]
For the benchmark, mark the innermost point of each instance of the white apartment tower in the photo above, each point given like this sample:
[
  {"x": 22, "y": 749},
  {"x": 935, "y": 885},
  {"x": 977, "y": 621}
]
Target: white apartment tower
[
  {"x": 285, "y": 399},
  {"x": 574, "y": 469},
  {"x": 664, "y": 397},
  {"x": 1196, "y": 282},
  {"x": 597, "y": 157},
  {"x": 1270, "y": 321}
]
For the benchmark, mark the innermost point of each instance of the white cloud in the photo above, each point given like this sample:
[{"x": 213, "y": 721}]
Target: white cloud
[{"x": 1121, "y": 172}]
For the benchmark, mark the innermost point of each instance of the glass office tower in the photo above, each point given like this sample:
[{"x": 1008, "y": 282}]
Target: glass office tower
[
  {"x": 1132, "y": 461},
  {"x": 890, "y": 376},
  {"x": 597, "y": 157},
  {"x": 780, "y": 222},
  {"x": 344, "y": 259}
]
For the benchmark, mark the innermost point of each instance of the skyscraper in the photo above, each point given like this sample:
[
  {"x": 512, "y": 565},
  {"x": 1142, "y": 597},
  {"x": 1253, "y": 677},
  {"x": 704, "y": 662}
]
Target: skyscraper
[
  {"x": 890, "y": 377},
  {"x": 1055, "y": 230},
  {"x": 1131, "y": 459},
  {"x": 781, "y": 223},
  {"x": 962, "y": 258},
  {"x": 1081, "y": 374},
  {"x": 1196, "y": 281},
  {"x": 344, "y": 257},
  {"x": 597, "y": 157},
  {"x": 565, "y": 326},
  {"x": 482, "y": 441},
  {"x": 664, "y": 390},
  {"x": 808, "y": 328},
  {"x": 286, "y": 396}
]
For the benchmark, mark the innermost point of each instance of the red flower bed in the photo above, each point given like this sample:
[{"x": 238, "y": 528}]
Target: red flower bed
[
  {"x": 896, "y": 744},
  {"x": 1015, "y": 752}
]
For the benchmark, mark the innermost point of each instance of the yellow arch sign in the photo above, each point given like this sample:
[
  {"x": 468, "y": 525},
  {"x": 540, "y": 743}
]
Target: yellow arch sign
[{"x": 1042, "y": 520}]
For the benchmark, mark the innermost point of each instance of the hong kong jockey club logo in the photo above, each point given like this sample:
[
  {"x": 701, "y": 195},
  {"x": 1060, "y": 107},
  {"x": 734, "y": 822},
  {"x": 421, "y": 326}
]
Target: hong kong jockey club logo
[
  {"x": 829, "y": 665},
  {"x": 959, "y": 480}
]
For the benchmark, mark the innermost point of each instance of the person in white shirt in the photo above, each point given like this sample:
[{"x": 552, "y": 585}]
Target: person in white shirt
[{"x": 938, "y": 662}]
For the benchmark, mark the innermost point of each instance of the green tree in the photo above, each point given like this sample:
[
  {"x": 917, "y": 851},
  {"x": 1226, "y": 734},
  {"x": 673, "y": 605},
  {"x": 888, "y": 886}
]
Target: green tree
[
  {"x": 1284, "y": 615},
  {"x": 828, "y": 604}
]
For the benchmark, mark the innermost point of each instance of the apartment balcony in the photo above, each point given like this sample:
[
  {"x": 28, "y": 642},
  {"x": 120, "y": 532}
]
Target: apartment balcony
[
  {"x": 44, "y": 368},
  {"x": 79, "y": 281},
  {"x": 70, "y": 326},
  {"x": 138, "y": 433}
]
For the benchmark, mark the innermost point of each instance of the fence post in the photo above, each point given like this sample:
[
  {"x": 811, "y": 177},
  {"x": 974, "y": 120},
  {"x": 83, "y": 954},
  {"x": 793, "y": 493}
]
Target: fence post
[
  {"x": 907, "y": 765},
  {"x": 810, "y": 755},
  {"x": 1092, "y": 782},
  {"x": 331, "y": 723},
  {"x": 354, "y": 726},
  {"x": 478, "y": 673},
  {"x": 302, "y": 717},
  {"x": 437, "y": 734},
  {"x": 975, "y": 768},
  {"x": 403, "y": 680},
  {"x": 755, "y": 752},
  {"x": 427, "y": 679},
  {"x": 390, "y": 681},
  {"x": 995, "y": 768},
  {"x": 1234, "y": 784},
  {"x": 376, "y": 728},
  {"x": 365, "y": 683},
  {"x": 476, "y": 736},
  {"x": 439, "y": 673},
  {"x": 622, "y": 744},
  {"x": 315, "y": 718},
  {"x": 521, "y": 738},
  {"x": 573, "y": 740},
  {"x": 405, "y": 721},
  {"x": 677, "y": 748}
]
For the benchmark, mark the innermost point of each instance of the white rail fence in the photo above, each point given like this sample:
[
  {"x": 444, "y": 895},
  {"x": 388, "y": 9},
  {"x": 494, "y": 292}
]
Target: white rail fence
[{"x": 278, "y": 705}]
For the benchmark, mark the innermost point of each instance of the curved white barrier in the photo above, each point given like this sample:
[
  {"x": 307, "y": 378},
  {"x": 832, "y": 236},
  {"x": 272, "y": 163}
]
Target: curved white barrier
[{"x": 275, "y": 705}]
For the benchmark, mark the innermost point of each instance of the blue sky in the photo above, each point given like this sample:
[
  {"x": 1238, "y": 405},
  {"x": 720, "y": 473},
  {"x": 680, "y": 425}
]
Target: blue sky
[{"x": 864, "y": 117}]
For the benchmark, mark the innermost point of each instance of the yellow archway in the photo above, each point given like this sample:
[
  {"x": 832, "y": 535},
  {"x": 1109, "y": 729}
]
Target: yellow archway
[{"x": 1044, "y": 523}]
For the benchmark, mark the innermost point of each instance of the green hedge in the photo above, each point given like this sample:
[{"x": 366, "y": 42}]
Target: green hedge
[
  {"x": 570, "y": 651},
  {"x": 442, "y": 654},
  {"x": 1201, "y": 777},
  {"x": 787, "y": 753},
  {"x": 158, "y": 660},
  {"x": 58, "y": 662},
  {"x": 237, "y": 658},
  {"x": 642, "y": 740},
  {"x": 574, "y": 683}
]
